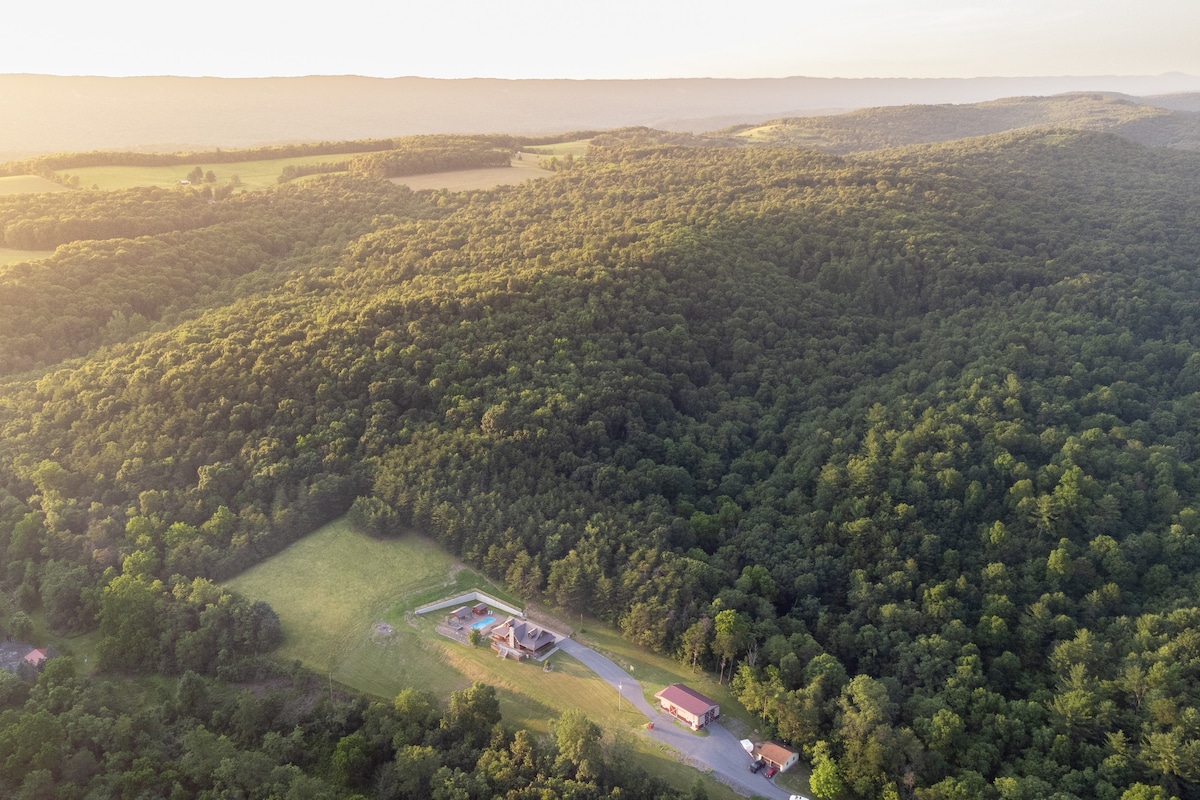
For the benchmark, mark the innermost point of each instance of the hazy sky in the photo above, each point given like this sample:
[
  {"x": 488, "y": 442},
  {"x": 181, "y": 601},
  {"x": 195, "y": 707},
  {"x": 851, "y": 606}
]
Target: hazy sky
[{"x": 604, "y": 38}]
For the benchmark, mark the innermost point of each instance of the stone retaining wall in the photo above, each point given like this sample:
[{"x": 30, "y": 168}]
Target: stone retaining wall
[{"x": 472, "y": 598}]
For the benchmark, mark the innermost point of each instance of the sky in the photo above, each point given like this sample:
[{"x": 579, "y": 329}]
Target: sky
[{"x": 604, "y": 38}]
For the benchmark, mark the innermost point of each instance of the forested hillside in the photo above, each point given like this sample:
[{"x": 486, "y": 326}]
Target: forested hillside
[
  {"x": 1162, "y": 122},
  {"x": 199, "y": 738},
  {"x": 901, "y": 444}
]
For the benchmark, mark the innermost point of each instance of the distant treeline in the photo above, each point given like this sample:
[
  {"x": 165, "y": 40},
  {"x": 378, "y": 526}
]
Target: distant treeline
[
  {"x": 57, "y": 161},
  {"x": 397, "y": 163},
  {"x": 42, "y": 165},
  {"x": 417, "y": 158}
]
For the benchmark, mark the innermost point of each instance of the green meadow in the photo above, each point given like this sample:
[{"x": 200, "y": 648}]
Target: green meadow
[
  {"x": 28, "y": 184},
  {"x": 249, "y": 174},
  {"x": 262, "y": 174},
  {"x": 333, "y": 588},
  {"x": 9, "y": 256},
  {"x": 522, "y": 169},
  {"x": 576, "y": 148}
]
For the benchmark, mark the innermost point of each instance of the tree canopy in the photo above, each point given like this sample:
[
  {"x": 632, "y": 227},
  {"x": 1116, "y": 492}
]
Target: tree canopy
[{"x": 913, "y": 431}]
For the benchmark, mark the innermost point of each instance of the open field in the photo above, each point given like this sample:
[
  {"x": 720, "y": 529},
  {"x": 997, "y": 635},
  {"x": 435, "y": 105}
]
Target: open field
[
  {"x": 331, "y": 588},
  {"x": 522, "y": 169},
  {"x": 576, "y": 148},
  {"x": 8, "y": 256},
  {"x": 27, "y": 184},
  {"x": 333, "y": 585},
  {"x": 779, "y": 134},
  {"x": 251, "y": 174},
  {"x": 263, "y": 174}
]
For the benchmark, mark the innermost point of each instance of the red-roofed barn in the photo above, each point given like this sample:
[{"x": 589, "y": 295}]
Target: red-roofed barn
[{"x": 688, "y": 705}]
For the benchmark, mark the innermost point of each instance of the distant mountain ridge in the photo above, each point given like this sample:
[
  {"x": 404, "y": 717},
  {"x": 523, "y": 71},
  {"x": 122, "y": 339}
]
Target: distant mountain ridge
[
  {"x": 1148, "y": 121},
  {"x": 46, "y": 114}
]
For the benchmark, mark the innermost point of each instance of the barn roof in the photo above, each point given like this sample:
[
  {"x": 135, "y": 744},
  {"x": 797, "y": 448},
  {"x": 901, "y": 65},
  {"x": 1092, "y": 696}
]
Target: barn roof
[
  {"x": 775, "y": 753},
  {"x": 686, "y": 698}
]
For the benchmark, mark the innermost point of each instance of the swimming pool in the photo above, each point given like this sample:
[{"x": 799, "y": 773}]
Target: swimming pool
[{"x": 483, "y": 623}]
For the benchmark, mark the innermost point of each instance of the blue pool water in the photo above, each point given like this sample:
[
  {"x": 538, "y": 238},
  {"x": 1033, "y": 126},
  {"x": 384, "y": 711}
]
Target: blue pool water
[{"x": 483, "y": 623}]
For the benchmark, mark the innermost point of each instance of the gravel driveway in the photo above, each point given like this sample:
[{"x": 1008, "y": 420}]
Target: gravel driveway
[{"x": 719, "y": 752}]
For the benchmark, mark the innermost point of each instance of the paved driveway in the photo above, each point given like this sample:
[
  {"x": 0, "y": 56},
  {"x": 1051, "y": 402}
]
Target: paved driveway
[{"x": 719, "y": 752}]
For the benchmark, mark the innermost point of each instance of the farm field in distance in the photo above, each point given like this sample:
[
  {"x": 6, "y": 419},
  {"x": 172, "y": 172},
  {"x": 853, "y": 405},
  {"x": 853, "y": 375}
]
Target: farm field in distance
[
  {"x": 10, "y": 256},
  {"x": 250, "y": 174},
  {"x": 26, "y": 184},
  {"x": 522, "y": 169},
  {"x": 265, "y": 173},
  {"x": 332, "y": 587}
]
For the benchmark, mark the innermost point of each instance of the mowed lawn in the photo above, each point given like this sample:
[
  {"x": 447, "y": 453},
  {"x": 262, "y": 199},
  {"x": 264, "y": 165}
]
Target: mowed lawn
[{"x": 333, "y": 587}]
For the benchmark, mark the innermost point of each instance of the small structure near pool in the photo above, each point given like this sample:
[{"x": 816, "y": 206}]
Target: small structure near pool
[
  {"x": 688, "y": 706},
  {"x": 35, "y": 658},
  {"x": 480, "y": 609},
  {"x": 476, "y": 598}
]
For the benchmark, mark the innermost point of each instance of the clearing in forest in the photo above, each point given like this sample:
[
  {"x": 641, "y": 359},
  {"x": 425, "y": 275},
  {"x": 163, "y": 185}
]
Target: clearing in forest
[
  {"x": 345, "y": 602},
  {"x": 522, "y": 169},
  {"x": 248, "y": 174},
  {"x": 28, "y": 184},
  {"x": 9, "y": 256}
]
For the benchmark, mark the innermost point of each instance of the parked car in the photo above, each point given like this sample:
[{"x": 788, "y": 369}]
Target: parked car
[
  {"x": 757, "y": 764},
  {"x": 797, "y": 797},
  {"x": 771, "y": 772}
]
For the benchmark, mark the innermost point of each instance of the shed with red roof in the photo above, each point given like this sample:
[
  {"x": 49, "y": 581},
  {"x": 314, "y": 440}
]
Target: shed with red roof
[{"x": 688, "y": 705}]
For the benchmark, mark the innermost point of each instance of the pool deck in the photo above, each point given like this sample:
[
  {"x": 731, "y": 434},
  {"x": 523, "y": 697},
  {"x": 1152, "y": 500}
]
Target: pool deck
[
  {"x": 12, "y": 653},
  {"x": 459, "y": 635}
]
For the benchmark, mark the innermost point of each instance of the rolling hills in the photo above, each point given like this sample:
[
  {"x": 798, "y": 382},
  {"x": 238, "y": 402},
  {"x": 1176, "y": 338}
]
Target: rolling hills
[
  {"x": 1143, "y": 121},
  {"x": 48, "y": 114},
  {"x": 900, "y": 441}
]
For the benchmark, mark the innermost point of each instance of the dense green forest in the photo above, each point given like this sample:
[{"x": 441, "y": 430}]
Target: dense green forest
[
  {"x": 66, "y": 737},
  {"x": 901, "y": 444}
]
